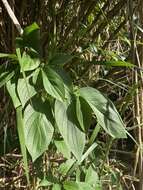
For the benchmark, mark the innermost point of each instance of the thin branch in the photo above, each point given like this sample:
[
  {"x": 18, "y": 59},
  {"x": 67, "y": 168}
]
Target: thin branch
[{"x": 12, "y": 16}]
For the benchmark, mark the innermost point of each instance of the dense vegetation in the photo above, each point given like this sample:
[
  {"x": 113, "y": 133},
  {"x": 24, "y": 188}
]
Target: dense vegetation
[{"x": 71, "y": 88}]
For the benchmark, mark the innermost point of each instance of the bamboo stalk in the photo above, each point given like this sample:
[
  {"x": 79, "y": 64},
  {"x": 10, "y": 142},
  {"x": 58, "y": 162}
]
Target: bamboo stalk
[{"x": 12, "y": 16}]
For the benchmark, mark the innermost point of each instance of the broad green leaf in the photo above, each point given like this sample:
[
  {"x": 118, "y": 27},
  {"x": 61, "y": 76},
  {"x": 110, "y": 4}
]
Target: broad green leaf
[
  {"x": 91, "y": 177},
  {"x": 68, "y": 127},
  {"x": 62, "y": 147},
  {"x": 6, "y": 55},
  {"x": 65, "y": 167},
  {"x": 60, "y": 59},
  {"x": 11, "y": 88},
  {"x": 83, "y": 112},
  {"x": 29, "y": 63},
  {"x": 105, "y": 111},
  {"x": 38, "y": 127},
  {"x": 25, "y": 89},
  {"x": 53, "y": 83},
  {"x": 31, "y": 37},
  {"x": 30, "y": 29},
  {"x": 56, "y": 187},
  {"x": 64, "y": 75},
  {"x": 66, "y": 80}
]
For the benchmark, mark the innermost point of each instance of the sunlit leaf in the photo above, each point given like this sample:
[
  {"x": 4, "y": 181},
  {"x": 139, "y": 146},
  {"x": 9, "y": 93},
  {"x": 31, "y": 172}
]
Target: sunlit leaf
[
  {"x": 38, "y": 127},
  {"x": 105, "y": 111},
  {"x": 31, "y": 37},
  {"x": 91, "y": 177},
  {"x": 25, "y": 89},
  {"x": 68, "y": 127},
  {"x": 29, "y": 63},
  {"x": 53, "y": 83},
  {"x": 62, "y": 147},
  {"x": 6, "y": 55}
]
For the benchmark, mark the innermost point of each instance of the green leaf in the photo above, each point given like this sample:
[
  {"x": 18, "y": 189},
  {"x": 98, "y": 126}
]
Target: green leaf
[
  {"x": 71, "y": 185},
  {"x": 66, "y": 80},
  {"x": 62, "y": 147},
  {"x": 6, "y": 55},
  {"x": 85, "y": 186},
  {"x": 84, "y": 113},
  {"x": 11, "y": 88},
  {"x": 65, "y": 167},
  {"x": 29, "y": 63},
  {"x": 56, "y": 187},
  {"x": 30, "y": 29},
  {"x": 38, "y": 127},
  {"x": 25, "y": 89},
  {"x": 44, "y": 183},
  {"x": 68, "y": 127},
  {"x": 35, "y": 76},
  {"x": 53, "y": 83},
  {"x": 105, "y": 111},
  {"x": 94, "y": 134},
  {"x": 79, "y": 113},
  {"x": 91, "y": 177},
  {"x": 60, "y": 59},
  {"x": 31, "y": 37},
  {"x": 5, "y": 74}
]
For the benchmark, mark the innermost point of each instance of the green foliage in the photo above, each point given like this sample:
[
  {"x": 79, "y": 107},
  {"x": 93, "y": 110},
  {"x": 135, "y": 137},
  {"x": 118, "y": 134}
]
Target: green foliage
[
  {"x": 68, "y": 127},
  {"x": 54, "y": 110},
  {"x": 62, "y": 148},
  {"x": 38, "y": 127},
  {"x": 53, "y": 84},
  {"x": 105, "y": 111},
  {"x": 20, "y": 127}
]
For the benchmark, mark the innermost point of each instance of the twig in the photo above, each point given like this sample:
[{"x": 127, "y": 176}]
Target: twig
[{"x": 12, "y": 16}]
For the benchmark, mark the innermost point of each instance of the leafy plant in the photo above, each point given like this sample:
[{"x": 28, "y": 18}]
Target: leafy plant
[{"x": 52, "y": 112}]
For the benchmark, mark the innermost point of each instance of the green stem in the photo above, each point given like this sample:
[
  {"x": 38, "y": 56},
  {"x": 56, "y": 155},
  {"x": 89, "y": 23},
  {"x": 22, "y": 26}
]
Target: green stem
[
  {"x": 22, "y": 140},
  {"x": 94, "y": 134}
]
